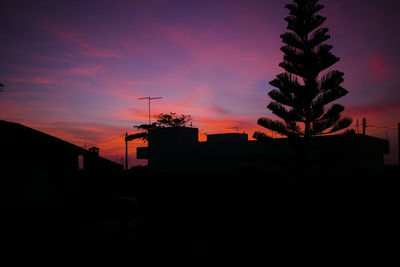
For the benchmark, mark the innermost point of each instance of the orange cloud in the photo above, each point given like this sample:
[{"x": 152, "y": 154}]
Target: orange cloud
[{"x": 185, "y": 103}]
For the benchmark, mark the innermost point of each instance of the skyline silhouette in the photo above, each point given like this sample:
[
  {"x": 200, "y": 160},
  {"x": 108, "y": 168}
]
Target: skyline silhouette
[{"x": 68, "y": 72}]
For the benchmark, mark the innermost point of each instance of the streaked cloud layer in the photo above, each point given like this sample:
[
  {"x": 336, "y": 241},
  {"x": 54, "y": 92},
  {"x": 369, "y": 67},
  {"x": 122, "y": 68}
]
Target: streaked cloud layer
[{"x": 76, "y": 68}]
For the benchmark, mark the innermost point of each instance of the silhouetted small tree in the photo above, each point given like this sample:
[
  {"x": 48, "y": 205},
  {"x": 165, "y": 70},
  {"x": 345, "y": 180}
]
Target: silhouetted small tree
[
  {"x": 302, "y": 94},
  {"x": 164, "y": 120},
  {"x": 173, "y": 120}
]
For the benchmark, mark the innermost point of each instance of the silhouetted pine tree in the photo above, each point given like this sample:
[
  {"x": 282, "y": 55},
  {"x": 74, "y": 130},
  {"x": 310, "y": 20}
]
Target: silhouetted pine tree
[{"x": 302, "y": 94}]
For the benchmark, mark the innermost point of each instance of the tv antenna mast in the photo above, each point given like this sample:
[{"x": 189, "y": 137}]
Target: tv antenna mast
[{"x": 149, "y": 99}]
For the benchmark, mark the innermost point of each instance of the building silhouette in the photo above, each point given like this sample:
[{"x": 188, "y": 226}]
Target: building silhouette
[
  {"x": 178, "y": 150},
  {"x": 25, "y": 149}
]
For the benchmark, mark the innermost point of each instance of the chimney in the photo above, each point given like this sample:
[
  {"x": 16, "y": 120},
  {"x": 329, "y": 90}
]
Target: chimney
[{"x": 94, "y": 151}]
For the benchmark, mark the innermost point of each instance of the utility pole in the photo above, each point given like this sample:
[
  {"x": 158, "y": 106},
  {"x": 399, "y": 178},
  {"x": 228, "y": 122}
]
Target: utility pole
[
  {"x": 149, "y": 99},
  {"x": 1, "y": 87},
  {"x": 398, "y": 141},
  {"x": 364, "y": 125},
  {"x": 357, "y": 128},
  {"x": 126, "y": 151}
]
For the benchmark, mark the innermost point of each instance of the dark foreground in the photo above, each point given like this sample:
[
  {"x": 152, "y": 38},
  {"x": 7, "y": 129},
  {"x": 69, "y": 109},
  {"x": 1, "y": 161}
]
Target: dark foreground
[{"x": 242, "y": 219}]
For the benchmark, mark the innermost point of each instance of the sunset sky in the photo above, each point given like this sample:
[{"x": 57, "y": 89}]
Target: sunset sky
[{"x": 74, "y": 69}]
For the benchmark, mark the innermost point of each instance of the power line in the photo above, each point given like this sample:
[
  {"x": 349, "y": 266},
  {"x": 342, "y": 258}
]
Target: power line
[
  {"x": 381, "y": 127},
  {"x": 366, "y": 125}
]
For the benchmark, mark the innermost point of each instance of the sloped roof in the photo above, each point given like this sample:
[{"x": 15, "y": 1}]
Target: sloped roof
[
  {"x": 18, "y": 138},
  {"x": 15, "y": 136}
]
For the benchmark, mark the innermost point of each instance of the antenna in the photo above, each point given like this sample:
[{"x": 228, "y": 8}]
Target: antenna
[{"x": 149, "y": 99}]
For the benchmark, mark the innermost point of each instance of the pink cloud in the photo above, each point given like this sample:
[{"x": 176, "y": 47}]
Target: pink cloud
[
  {"x": 45, "y": 58},
  {"x": 124, "y": 88},
  {"x": 131, "y": 115},
  {"x": 61, "y": 77},
  {"x": 185, "y": 103},
  {"x": 78, "y": 70},
  {"x": 204, "y": 52},
  {"x": 85, "y": 71},
  {"x": 86, "y": 49},
  {"x": 34, "y": 79}
]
